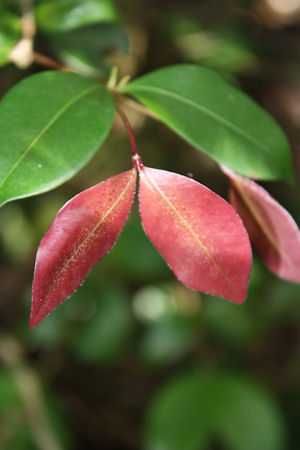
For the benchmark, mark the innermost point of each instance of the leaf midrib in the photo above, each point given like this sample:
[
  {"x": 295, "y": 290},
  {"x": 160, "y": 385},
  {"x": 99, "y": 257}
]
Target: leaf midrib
[
  {"x": 46, "y": 128},
  {"x": 207, "y": 111},
  {"x": 77, "y": 250},
  {"x": 258, "y": 219},
  {"x": 188, "y": 228}
]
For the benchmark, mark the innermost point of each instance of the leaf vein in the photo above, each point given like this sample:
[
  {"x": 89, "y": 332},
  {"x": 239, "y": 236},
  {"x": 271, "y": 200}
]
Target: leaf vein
[
  {"x": 259, "y": 220},
  {"x": 85, "y": 240},
  {"x": 46, "y": 128},
  {"x": 209, "y": 112},
  {"x": 190, "y": 230}
]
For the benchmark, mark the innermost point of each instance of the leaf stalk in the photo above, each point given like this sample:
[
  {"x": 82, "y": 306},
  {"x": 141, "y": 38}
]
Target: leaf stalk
[{"x": 136, "y": 159}]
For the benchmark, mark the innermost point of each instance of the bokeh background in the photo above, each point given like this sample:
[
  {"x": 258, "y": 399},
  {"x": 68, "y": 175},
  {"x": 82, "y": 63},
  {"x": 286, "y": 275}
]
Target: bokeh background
[{"x": 134, "y": 360}]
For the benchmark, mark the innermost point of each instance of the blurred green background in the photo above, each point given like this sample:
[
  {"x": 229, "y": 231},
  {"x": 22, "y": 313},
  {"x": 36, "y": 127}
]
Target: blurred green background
[{"x": 134, "y": 360}]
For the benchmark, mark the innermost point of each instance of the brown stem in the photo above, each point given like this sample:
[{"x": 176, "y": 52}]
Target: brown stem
[{"x": 49, "y": 63}]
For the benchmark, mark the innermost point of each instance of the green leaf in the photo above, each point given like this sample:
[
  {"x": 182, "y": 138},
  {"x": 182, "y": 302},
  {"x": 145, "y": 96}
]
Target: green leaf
[
  {"x": 10, "y": 33},
  {"x": 216, "y": 118},
  {"x": 51, "y": 124},
  {"x": 85, "y": 49},
  {"x": 179, "y": 415},
  {"x": 63, "y": 15},
  {"x": 248, "y": 417},
  {"x": 191, "y": 410}
]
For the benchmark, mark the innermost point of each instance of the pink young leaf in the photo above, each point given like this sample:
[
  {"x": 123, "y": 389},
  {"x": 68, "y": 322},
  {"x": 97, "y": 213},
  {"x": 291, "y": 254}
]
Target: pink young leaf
[
  {"x": 83, "y": 231},
  {"x": 198, "y": 233},
  {"x": 272, "y": 230}
]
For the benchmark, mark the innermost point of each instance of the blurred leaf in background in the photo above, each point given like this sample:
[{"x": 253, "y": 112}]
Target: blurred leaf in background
[
  {"x": 87, "y": 49},
  {"x": 135, "y": 257},
  {"x": 193, "y": 410},
  {"x": 17, "y": 233},
  {"x": 106, "y": 337},
  {"x": 83, "y": 34},
  {"x": 225, "y": 47},
  {"x": 64, "y": 15}
]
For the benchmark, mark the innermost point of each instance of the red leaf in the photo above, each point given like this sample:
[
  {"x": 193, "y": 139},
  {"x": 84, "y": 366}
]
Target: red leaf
[
  {"x": 198, "y": 233},
  {"x": 83, "y": 231},
  {"x": 272, "y": 230}
]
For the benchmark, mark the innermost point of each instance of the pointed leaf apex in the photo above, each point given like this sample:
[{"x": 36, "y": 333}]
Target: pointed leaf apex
[
  {"x": 197, "y": 232},
  {"x": 272, "y": 230},
  {"x": 83, "y": 231}
]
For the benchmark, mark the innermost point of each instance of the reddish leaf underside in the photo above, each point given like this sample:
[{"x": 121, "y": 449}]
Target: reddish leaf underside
[
  {"x": 83, "y": 231},
  {"x": 198, "y": 233},
  {"x": 272, "y": 230}
]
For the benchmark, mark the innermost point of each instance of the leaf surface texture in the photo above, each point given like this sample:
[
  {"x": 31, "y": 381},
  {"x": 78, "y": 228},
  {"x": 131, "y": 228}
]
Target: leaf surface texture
[
  {"x": 83, "y": 231},
  {"x": 197, "y": 232}
]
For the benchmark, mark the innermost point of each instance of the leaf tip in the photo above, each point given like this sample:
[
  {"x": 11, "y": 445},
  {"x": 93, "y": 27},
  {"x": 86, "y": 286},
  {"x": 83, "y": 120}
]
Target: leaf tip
[
  {"x": 240, "y": 298},
  {"x": 33, "y": 320},
  {"x": 36, "y": 316},
  {"x": 197, "y": 232}
]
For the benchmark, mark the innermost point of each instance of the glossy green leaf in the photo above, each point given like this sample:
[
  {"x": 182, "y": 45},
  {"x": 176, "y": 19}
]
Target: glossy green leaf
[
  {"x": 51, "y": 124},
  {"x": 10, "y": 32},
  {"x": 216, "y": 118},
  {"x": 63, "y": 15}
]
